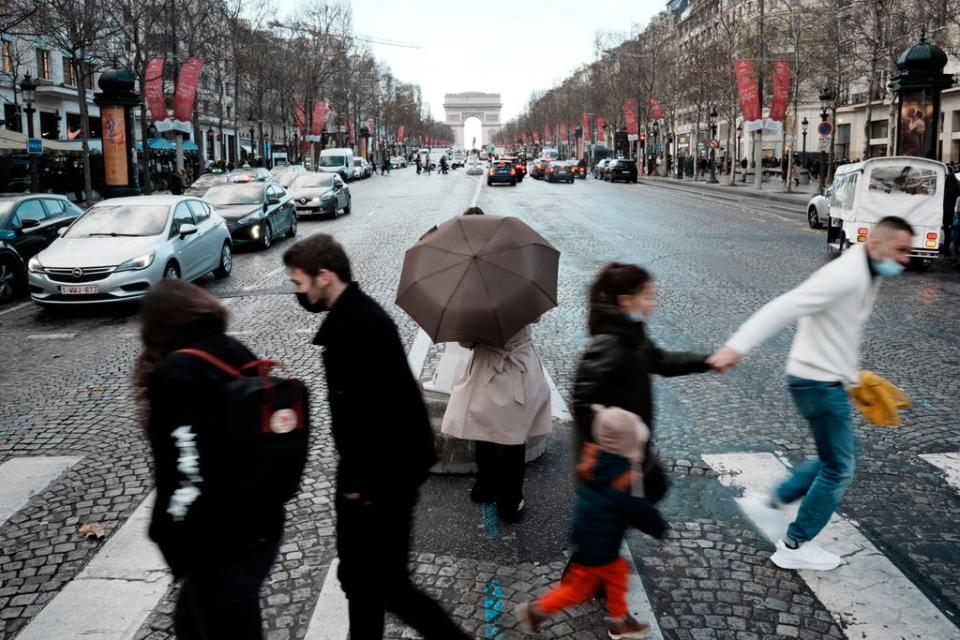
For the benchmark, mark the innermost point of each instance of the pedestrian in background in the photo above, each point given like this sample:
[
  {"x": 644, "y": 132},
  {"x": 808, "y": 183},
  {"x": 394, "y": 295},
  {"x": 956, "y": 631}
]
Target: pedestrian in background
[
  {"x": 615, "y": 369},
  {"x": 383, "y": 437},
  {"x": 609, "y": 469},
  {"x": 830, "y": 308},
  {"x": 217, "y": 542}
]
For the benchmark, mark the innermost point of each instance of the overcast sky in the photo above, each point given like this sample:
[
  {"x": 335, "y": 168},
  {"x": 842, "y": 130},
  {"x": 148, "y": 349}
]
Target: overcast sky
[{"x": 511, "y": 47}]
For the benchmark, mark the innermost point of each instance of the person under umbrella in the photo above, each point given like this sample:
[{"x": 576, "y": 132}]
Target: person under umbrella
[{"x": 501, "y": 401}]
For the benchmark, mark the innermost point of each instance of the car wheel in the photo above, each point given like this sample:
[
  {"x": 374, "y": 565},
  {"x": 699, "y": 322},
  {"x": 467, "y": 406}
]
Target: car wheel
[
  {"x": 11, "y": 280},
  {"x": 171, "y": 271},
  {"x": 634, "y": 181},
  {"x": 489, "y": 183},
  {"x": 813, "y": 217},
  {"x": 513, "y": 184},
  {"x": 266, "y": 240},
  {"x": 226, "y": 261},
  {"x": 346, "y": 209},
  {"x": 293, "y": 226}
]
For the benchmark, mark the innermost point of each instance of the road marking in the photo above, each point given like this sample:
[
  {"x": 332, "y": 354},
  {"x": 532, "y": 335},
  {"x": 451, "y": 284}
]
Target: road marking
[
  {"x": 51, "y": 336},
  {"x": 557, "y": 404},
  {"x": 330, "y": 619},
  {"x": 114, "y": 594},
  {"x": 15, "y": 307},
  {"x": 868, "y": 596},
  {"x": 23, "y": 478},
  {"x": 949, "y": 463},
  {"x": 418, "y": 352},
  {"x": 476, "y": 194},
  {"x": 637, "y": 600}
]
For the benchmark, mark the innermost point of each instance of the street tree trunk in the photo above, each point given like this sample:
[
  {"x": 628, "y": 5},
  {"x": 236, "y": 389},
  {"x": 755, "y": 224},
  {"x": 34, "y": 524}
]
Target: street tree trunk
[{"x": 77, "y": 62}]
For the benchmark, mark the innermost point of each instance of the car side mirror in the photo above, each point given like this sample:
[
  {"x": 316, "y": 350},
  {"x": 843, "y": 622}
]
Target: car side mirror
[
  {"x": 273, "y": 199},
  {"x": 29, "y": 223},
  {"x": 187, "y": 229},
  {"x": 62, "y": 231}
]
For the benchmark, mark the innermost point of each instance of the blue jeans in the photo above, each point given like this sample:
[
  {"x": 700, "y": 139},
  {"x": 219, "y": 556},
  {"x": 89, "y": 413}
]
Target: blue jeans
[{"x": 821, "y": 482}]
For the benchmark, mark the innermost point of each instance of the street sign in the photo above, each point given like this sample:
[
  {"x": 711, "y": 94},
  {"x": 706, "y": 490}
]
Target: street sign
[
  {"x": 656, "y": 148},
  {"x": 825, "y": 129},
  {"x": 633, "y": 137},
  {"x": 35, "y": 146},
  {"x": 714, "y": 143},
  {"x": 824, "y": 144}
]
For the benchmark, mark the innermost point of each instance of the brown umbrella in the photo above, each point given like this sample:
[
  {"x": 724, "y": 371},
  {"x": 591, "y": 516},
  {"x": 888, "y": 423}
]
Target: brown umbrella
[{"x": 478, "y": 279}]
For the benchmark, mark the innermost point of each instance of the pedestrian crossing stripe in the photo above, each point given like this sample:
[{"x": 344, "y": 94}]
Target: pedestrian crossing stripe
[
  {"x": 22, "y": 478},
  {"x": 949, "y": 463},
  {"x": 867, "y": 595}
]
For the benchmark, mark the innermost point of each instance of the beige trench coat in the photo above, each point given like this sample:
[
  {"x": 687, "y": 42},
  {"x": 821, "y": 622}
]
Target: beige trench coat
[{"x": 502, "y": 397}]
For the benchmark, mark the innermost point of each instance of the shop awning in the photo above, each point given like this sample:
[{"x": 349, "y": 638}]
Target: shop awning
[
  {"x": 16, "y": 141},
  {"x": 190, "y": 145},
  {"x": 245, "y": 148}
]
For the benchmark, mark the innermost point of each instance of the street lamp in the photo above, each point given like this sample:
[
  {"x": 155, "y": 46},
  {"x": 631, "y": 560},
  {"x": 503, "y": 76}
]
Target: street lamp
[
  {"x": 656, "y": 146},
  {"x": 804, "y": 124},
  {"x": 28, "y": 89},
  {"x": 252, "y": 120},
  {"x": 826, "y": 97},
  {"x": 740, "y": 135},
  {"x": 713, "y": 150}
]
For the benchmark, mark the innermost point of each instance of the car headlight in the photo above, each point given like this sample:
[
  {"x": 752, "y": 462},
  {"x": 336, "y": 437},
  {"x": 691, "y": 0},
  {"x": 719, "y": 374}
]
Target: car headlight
[
  {"x": 34, "y": 265},
  {"x": 326, "y": 196},
  {"x": 137, "y": 263},
  {"x": 250, "y": 219}
]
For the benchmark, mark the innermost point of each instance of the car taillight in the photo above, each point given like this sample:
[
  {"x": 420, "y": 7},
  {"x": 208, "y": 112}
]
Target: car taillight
[
  {"x": 933, "y": 236},
  {"x": 862, "y": 231},
  {"x": 513, "y": 172},
  {"x": 491, "y": 170}
]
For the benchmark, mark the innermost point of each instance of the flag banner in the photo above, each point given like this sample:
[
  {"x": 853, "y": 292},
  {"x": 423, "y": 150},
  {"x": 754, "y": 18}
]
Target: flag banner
[
  {"x": 546, "y": 133},
  {"x": 749, "y": 96},
  {"x": 400, "y": 133},
  {"x": 153, "y": 90},
  {"x": 300, "y": 116},
  {"x": 630, "y": 116},
  {"x": 353, "y": 138},
  {"x": 187, "y": 91},
  {"x": 585, "y": 123},
  {"x": 525, "y": 138},
  {"x": 562, "y": 131},
  {"x": 656, "y": 113},
  {"x": 601, "y": 126},
  {"x": 318, "y": 115},
  {"x": 781, "y": 90}
]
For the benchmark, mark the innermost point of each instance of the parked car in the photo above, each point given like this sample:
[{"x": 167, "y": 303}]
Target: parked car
[
  {"x": 621, "y": 169},
  {"x": 398, "y": 162},
  {"x": 256, "y": 212},
  {"x": 320, "y": 194},
  {"x": 120, "y": 247},
  {"x": 501, "y": 171},
  {"x": 361, "y": 169},
  {"x": 519, "y": 166},
  {"x": 600, "y": 167},
  {"x": 818, "y": 209},
  {"x": 28, "y": 224},
  {"x": 560, "y": 170},
  {"x": 204, "y": 182}
]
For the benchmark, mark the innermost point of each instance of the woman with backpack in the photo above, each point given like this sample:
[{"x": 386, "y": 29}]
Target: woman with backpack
[
  {"x": 217, "y": 538},
  {"x": 615, "y": 369}
]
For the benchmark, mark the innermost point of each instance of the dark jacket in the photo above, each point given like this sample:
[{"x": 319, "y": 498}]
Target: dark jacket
[
  {"x": 379, "y": 420},
  {"x": 605, "y": 509},
  {"x": 219, "y": 520}
]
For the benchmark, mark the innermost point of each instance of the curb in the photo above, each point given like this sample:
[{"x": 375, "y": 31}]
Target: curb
[{"x": 668, "y": 183}]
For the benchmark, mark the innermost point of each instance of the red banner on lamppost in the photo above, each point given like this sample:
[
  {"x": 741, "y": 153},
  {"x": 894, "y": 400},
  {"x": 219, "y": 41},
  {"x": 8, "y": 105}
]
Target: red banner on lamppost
[
  {"x": 747, "y": 89},
  {"x": 153, "y": 90},
  {"x": 562, "y": 131},
  {"x": 353, "y": 138},
  {"x": 319, "y": 118},
  {"x": 400, "y": 134},
  {"x": 656, "y": 113},
  {"x": 300, "y": 116},
  {"x": 781, "y": 90},
  {"x": 187, "y": 90},
  {"x": 630, "y": 116},
  {"x": 585, "y": 123},
  {"x": 546, "y": 133}
]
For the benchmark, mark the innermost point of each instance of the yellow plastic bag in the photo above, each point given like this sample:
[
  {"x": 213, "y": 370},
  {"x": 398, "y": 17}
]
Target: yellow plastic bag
[{"x": 879, "y": 400}]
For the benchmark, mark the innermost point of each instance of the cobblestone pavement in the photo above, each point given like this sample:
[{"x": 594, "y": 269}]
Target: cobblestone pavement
[{"x": 65, "y": 391}]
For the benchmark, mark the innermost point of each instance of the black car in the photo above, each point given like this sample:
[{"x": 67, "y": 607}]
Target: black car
[
  {"x": 256, "y": 212},
  {"x": 502, "y": 171},
  {"x": 28, "y": 224},
  {"x": 320, "y": 194},
  {"x": 202, "y": 184},
  {"x": 625, "y": 170},
  {"x": 519, "y": 165},
  {"x": 560, "y": 171}
]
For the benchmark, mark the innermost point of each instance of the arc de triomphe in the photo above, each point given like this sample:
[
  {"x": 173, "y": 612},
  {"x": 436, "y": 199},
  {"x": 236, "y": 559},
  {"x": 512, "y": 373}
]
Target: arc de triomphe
[{"x": 459, "y": 107}]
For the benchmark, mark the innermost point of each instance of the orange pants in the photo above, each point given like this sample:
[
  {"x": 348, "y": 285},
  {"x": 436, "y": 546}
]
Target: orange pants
[{"x": 581, "y": 582}]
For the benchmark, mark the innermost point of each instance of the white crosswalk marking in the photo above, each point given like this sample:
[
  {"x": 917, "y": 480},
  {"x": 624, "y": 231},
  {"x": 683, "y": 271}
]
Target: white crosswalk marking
[
  {"x": 330, "y": 620},
  {"x": 949, "y": 463},
  {"x": 21, "y": 478},
  {"x": 111, "y": 598},
  {"x": 867, "y": 596},
  {"x": 637, "y": 601}
]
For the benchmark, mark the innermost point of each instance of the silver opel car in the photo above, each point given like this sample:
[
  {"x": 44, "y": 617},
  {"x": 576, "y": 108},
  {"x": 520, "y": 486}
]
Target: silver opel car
[{"x": 119, "y": 247}]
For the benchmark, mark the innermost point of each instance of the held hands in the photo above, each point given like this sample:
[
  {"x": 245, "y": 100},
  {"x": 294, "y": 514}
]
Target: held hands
[{"x": 724, "y": 359}]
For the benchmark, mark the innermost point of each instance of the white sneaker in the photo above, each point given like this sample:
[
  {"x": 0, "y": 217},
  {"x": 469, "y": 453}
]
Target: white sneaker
[{"x": 809, "y": 555}]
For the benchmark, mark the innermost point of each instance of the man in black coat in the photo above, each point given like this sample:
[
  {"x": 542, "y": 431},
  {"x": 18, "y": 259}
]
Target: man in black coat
[{"x": 383, "y": 437}]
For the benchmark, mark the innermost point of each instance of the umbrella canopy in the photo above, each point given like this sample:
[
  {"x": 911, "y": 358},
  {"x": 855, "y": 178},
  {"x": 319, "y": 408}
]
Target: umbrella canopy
[{"x": 478, "y": 279}]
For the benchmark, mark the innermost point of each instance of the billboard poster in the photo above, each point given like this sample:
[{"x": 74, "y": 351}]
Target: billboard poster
[
  {"x": 114, "y": 143},
  {"x": 749, "y": 95},
  {"x": 917, "y": 133}
]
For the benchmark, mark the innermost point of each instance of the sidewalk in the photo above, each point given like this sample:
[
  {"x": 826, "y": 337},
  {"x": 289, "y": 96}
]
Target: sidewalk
[{"x": 773, "y": 189}]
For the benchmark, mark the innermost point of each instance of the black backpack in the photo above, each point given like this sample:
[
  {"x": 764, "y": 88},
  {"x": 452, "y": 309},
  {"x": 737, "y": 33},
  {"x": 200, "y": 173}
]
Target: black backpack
[{"x": 264, "y": 430}]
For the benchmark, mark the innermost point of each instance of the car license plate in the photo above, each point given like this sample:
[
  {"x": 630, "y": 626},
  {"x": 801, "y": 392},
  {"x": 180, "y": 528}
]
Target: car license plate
[{"x": 79, "y": 291}]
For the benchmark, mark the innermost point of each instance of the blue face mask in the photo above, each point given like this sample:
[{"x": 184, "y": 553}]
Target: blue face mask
[
  {"x": 636, "y": 316},
  {"x": 888, "y": 267}
]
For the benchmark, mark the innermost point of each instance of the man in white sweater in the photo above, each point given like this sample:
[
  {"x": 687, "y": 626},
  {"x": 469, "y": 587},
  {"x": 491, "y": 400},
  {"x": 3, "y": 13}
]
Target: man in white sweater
[{"x": 830, "y": 309}]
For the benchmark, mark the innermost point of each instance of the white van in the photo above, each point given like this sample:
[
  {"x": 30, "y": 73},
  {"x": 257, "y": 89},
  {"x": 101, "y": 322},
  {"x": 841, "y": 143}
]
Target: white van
[
  {"x": 865, "y": 192},
  {"x": 550, "y": 154},
  {"x": 337, "y": 161}
]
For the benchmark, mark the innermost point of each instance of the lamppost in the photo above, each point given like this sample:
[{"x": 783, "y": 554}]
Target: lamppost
[
  {"x": 210, "y": 144},
  {"x": 826, "y": 97},
  {"x": 740, "y": 135},
  {"x": 28, "y": 89},
  {"x": 804, "y": 124},
  {"x": 253, "y": 139},
  {"x": 656, "y": 145},
  {"x": 713, "y": 149}
]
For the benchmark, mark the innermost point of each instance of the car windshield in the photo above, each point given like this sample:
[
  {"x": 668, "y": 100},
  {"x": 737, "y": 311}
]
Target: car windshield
[
  {"x": 905, "y": 178},
  {"x": 121, "y": 220},
  {"x": 333, "y": 161},
  {"x": 235, "y": 194},
  {"x": 357, "y": 163},
  {"x": 313, "y": 180},
  {"x": 625, "y": 163}
]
